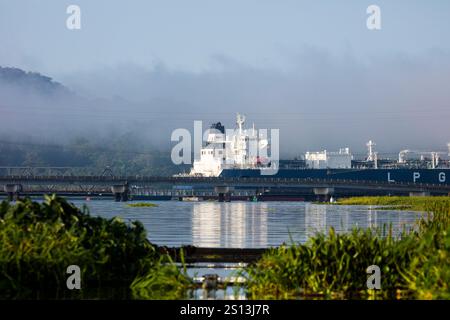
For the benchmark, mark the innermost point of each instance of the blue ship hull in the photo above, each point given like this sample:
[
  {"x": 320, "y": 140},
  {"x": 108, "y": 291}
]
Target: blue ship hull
[{"x": 419, "y": 176}]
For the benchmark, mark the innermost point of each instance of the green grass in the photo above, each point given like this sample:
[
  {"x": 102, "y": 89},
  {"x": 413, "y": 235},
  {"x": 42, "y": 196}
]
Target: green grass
[
  {"x": 142, "y": 204},
  {"x": 399, "y": 203},
  {"x": 40, "y": 240},
  {"x": 334, "y": 265},
  {"x": 166, "y": 282}
]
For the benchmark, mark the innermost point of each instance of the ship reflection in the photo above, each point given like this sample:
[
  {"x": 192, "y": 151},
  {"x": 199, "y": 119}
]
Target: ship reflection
[
  {"x": 229, "y": 225},
  {"x": 315, "y": 220},
  {"x": 320, "y": 218},
  {"x": 256, "y": 225}
]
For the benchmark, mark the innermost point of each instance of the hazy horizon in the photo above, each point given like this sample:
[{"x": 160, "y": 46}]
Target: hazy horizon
[{"x": 311, "y": 69}]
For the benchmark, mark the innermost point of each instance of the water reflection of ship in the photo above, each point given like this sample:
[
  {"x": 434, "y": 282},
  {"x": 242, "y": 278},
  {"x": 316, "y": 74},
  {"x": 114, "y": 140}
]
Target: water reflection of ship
[
  {"x": 315, "y": 220},
  {"x": 320, "y": 218},
  {"x": 248, "y": 225},
  {"x": 230, "y": 225}
]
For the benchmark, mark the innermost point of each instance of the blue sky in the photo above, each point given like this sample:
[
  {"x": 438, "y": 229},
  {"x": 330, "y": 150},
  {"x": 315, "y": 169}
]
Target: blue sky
[{"x": 192, "y": 35}]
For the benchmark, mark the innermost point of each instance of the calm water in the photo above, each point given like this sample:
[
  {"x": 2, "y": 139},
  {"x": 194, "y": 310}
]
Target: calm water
[{"x": 246, "y": 224}]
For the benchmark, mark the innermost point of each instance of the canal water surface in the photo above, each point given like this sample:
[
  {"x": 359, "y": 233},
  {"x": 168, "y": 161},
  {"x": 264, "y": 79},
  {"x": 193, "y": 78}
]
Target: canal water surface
[{"x": 247, "y": 224}]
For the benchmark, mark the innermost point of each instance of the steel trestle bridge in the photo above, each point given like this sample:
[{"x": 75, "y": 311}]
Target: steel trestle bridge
[{"x": 25, "y": 180}]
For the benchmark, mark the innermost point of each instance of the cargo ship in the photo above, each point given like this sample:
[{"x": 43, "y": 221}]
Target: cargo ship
[{"x": 243, "y": 152}]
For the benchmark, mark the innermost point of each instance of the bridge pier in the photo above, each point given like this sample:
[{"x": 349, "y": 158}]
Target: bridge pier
[
  {"x": 121, "y": 192},
  {"x": 258, "y": 194},
  {"x": 224, "y": 197},
  {"x": 323, "y": 194},
  {"x": 13, "y": 191},
  {"x": 224, "y": 193}
]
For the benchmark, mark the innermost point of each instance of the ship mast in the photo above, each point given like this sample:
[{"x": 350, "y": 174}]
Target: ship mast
[
  {"x": 240, "y": 119},
  {"x": 371, "y": 150}
]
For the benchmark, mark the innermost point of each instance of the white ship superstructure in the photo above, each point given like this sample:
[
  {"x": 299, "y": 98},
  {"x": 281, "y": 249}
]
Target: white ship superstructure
[
  {"x": 329, "y": 160},
  {"x": 231, "y": 149}
]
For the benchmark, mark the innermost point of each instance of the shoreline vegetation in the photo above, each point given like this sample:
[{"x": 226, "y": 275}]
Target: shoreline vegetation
[
  {"x": 423, "y": 204},
  {"x": 333, "y": 266},
  {"x": 40, "y": 240}
]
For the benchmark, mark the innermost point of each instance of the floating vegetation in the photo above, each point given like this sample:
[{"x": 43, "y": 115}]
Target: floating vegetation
[
  {"x": 142, "y": 205},
  {"x": 397, "y": 203}
]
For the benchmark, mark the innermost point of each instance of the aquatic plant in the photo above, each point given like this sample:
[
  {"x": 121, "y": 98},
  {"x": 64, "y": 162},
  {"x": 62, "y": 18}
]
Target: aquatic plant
[
  {"x": 166, "y": 281},
  {"x": 142, "y": 204},
  {"x": 332, "y": 265},
  {"x": 397, "y": 202},
  {"x": 40, "y": 240},
  {"x": 429, "y": 272},
  {"x": 329, "y": 264}
]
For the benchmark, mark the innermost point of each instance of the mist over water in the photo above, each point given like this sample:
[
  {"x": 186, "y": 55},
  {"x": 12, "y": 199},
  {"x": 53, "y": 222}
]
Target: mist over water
[
  {"x": 321, "y": 102},
  {"x": 312, "y": 70}
]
